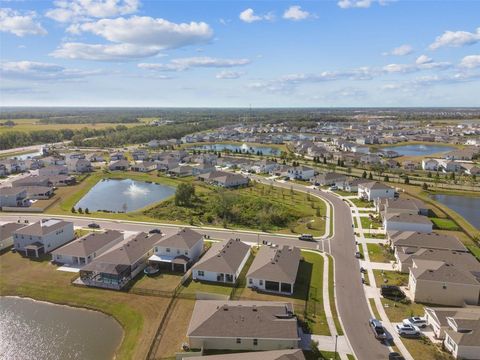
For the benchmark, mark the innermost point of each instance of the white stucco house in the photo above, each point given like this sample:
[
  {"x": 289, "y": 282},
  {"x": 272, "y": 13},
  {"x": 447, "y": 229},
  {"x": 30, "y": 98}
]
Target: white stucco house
[
  {"x": 375, "y": 190},
  {"x": 300, "y": 173},
  {"x": 430, "y": 164},
  {"x": 223, "y": 262},
  {"x": 407, "y": 222},
  {"x": 13, "y": 196}
]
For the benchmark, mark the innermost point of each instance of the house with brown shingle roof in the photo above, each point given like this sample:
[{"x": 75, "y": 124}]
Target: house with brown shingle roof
[
  {"x": 178, "y": 251},
  {"x": 84, "y": 250},
  {"x": 223, "y": 262},
  {"x": 274, "y": 269},
  {"x": 243, "y": 325}
]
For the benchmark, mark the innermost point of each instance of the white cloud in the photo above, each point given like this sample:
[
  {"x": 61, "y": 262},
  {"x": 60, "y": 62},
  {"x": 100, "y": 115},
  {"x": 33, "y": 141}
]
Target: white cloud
[
  {"x": 470, "y": 61},
  {"x": 400, "y": 51},
  {"x": 135, "y": 37},
  {"x": 77, "y": 10},
  {"x": 423, "y": 59},
  {"x": 226, "y": 74},
  {"x": 187, "y": 63},
  {"x": 249, "y": 16},
  {"x": 456, "y": 39},
  {"x": 348, "y": 4},
  {"x": 296, "y": 13},
  {"x": 31, "y": 70},
  {"x": 20, "y": 24}
]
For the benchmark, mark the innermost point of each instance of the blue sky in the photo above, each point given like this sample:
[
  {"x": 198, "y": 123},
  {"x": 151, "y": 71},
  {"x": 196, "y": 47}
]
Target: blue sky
[{"x": 240, "y": 53}]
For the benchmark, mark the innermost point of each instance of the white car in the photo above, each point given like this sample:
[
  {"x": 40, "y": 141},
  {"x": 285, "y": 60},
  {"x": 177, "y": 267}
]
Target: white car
[
  {"x": 332, "y": 188},
  {"x": 416, "y": 321},
  {"x": 407, "y": 330}
]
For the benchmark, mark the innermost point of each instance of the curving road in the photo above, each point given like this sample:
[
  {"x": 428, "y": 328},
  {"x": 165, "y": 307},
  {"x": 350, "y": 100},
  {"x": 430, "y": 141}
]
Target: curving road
[{"x": 350, "y": 297}]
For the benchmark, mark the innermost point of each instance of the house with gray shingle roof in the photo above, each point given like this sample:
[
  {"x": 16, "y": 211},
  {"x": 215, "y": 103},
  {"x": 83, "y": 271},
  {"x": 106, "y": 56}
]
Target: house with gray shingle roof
[
  {"x": 293, "y": 354},
  {"x": 274, "y": 269},
  {"x": 6, "y": 234},
  {"x": 178, "y": 251},
  {"x": 243, "y": 325},
  {"x": 223, "y": 262}
]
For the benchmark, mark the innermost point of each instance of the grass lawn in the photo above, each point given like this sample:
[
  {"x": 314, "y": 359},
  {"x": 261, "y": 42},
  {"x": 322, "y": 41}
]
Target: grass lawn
[
  {"x": 191, "y": 287},
  {"x": 344, "y": 193},
  {"x": 362, "y": 203},
  {"x": 367, "y": 222},
  {"x": 424, "y": 349},
  {"x": 163, "y": 282},
  {"x": 391, "y": 277},
  {"x": 376, "y": 236},
  {"x": 331, "y": 295},
  {"x": 379, "y": 253},
  {"x": 175, "y": 329},
  {"x": 374, "y": 308},
  {"x": 444, "y": 224},
  {"x": 397, "y": 311},
  {"x": 138, "y": 315}
]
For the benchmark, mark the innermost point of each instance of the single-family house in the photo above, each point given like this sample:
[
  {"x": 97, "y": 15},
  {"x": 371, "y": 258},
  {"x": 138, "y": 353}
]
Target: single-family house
[
  {"x": 274, "y": 269},
  {"x": 79, "y": 165},
  {"x": 224, "y": 179},
  {"x": 117, "y": 156},
  {"x": 53, "y": 170},
  {"x": 443, "y": 283},
  {"x": 351, "y": 185},
  {"x": 300, "y": 173},
  {"x": 121, "y": 165},
  {"x": 328, "y": 179},
  {"x": 84, "y": 250},
  {"x": 243, "y": 325},
  {"x": 223, "y": 262},
  {"x": 39, "y": 192},
  {"x": 178, "y": 251},
  {"x": 405, "y": 256},
  {"x": 264, "y": 166},
  {"x": 42, "y": 237},
  {"x": 433, "y": 240},
  {"x": 407, "y": 222},
  {"x": 181, "y": 171},
  {"x": 116, "y": 267},
  {"x": 6, "y": 234},
  {"x": 430, "y": 164},
  {"x": 140, "y": 154},
  {"x": 13, "y": 196},
  {"x": 291, "y": 354},
  {"x": 144, "y": 166},
  {"x": 373, "y": 190}
]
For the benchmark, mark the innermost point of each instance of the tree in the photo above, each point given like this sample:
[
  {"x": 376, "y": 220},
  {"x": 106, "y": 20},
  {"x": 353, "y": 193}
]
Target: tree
[
  {"x": 386, "y": 178},
  {"x": 429, "y": 175},
  {"x": 407, "y": 180},
  {"x": 184, "y": 195},
  {"x": 424, "y": 186},
  {"x": 73, "y": 210},
  {"x": 364, "y": 175},
  {"x": 87, "y": 211},
  {"x": 80, "y": 211},
  {"x": 324, "y": 159},
  {"x": 370, "y": 176}
]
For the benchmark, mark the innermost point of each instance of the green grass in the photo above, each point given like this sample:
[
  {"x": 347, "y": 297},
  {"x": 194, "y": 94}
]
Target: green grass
[
  {"x": 361, "y": 203},
  {"x": 424, "y": 349},
  {"x": 344, "y": 193},
  {"x": 444, "y": 224},
  {"x": 392, "y": 277},
  {"x": 191, "y": 287},
  {"x": 374, "y": 308},
  {"x": 379, "y": 253},
  {"x": 397, "y": 311},
  {"x": 367, "y": 222},
  {"x": 331, "y": 295},
  {"x": 376, "y": 236},
  {"x": 475, "y": 250}
]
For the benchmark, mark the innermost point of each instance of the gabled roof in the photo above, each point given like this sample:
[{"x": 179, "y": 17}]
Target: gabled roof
[
  {"x": 89, "y": 243},
  {"x": 431, "y": 240},
  {"x": 42, "y": 227},
  {"x": 276, "y": 264},
  {"x": 251, "y": 319},
  {"x": 223, "y": 257},
  {"x": 184, "y": 239},
  {"x": 375, "y": 185},
  {"x": 293, "y": 354},
  {"x": 408, "y": 218},
  {"x": 6, "y": 230},
  {"x": 429, "y": 270}
]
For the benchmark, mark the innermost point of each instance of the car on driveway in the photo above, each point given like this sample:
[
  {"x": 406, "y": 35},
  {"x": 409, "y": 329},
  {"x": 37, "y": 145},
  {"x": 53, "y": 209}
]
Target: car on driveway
[
  {"x": 407, "y": 330},
  {"x": 378, "y": 329},
  {"x": 416, "y": 321},
  {"x": 395, "y": 356},
  {"x": 94, "y": 226}
]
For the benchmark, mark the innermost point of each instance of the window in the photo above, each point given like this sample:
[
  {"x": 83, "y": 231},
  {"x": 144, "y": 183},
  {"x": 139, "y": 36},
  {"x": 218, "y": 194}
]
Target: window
[
  {"x": 167, "y": 249},
  {"x": 186, "y": 253},
  {"x": 260, "y": 282},
  {"x": 156, "y": 249},
  {"x": 250, "y": 280},
  {"x": 239, "y": 341},
  {"x": 255, "y": 342},
  {"x": 200, "y": 273},
  {"x": 178, "y": 252}
]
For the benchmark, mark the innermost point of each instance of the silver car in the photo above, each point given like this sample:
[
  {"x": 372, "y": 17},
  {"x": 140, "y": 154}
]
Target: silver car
[
  {"x": 407, "y": 330},
  {"x": 416, "y": 321}
]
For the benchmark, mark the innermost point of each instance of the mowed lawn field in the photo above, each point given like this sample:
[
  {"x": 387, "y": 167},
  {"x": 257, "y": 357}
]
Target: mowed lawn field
[
  {"x": 40, "y": 280},
  {"x": 30, "y": 125}
]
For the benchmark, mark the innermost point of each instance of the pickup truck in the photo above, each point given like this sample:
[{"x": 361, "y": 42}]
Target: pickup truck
[{"x": 378, "y": 329}]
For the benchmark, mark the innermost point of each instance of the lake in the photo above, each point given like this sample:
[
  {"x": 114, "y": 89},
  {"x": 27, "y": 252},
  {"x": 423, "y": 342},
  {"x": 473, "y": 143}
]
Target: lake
[
  {"x": 37, "y": 330},
  {"x": 26, "y": 155},
  {"x": 466, "y": 206},
  {"x": 244, "y": 148},
  {"x": 418, "y": 149},
  {"x": 123, "y": 195}
]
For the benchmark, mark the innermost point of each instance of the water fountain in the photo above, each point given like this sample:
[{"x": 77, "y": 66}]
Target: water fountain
[{"x": 135, "y": 190}]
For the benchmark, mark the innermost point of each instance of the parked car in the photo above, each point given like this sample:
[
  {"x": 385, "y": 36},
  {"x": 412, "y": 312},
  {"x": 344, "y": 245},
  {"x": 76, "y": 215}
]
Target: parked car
[
  {"x": 334, "y": 187},
  {"x": 378, "y": 329},
  {"x": 155, "y": 231},
  {"x": 94, "y": 226},
  {"x": 363, "y": 270},
  {"x": 416, "y": 321},
  {"x": 392, "y": 292},
  {"x": 407, "y": 330},
  {"x": 395, "y": 356},
  {"x": 306, "y": 237},
  {"x": 358, "y": 255}
]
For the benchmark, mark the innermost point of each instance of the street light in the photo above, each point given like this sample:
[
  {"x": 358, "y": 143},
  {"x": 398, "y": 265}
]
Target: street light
[{"x": 336, "y": 338}]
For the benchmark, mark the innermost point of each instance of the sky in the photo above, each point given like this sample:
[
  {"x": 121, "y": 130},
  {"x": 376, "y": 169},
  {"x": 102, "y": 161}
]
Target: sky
[{"x": 339, "y": 53}]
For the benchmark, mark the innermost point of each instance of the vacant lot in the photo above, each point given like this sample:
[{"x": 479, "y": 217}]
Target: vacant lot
[
  {"x": 379, "y": 253},
  {"x": 30, "y": 125},
  {"x": 390, "y": 278},
  {"x": 138, "y": 315}
]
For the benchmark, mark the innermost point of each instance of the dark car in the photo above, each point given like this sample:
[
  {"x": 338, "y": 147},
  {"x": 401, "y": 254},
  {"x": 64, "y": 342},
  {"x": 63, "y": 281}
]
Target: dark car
[
  {"x": 395, "y": 356},
  {"x": 392, "y": 292},
  {"x": 378, "y": 329},
  {"x": 94, "y": 226},
  {"x": 155, "y": 231},
  {"x": 306, "y": 237}
]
